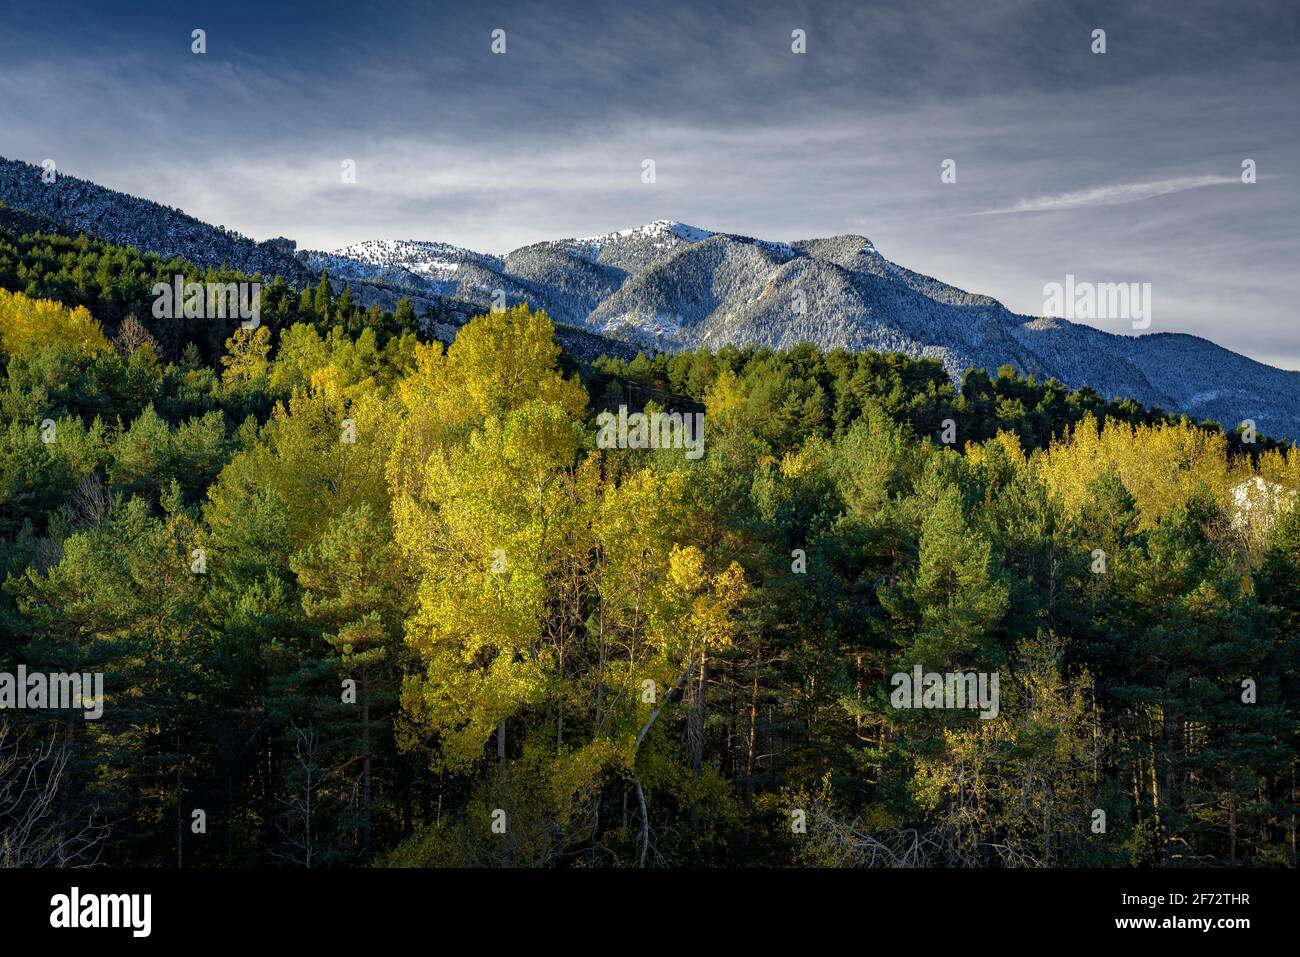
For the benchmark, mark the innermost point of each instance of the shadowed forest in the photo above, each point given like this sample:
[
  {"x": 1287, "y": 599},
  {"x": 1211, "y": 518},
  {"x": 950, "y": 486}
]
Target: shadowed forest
[{"x": 361, "y": 598}]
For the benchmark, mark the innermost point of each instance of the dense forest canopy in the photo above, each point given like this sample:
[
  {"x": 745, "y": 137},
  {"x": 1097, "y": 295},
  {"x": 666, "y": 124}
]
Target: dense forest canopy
[{"x": 359, "y": 597}]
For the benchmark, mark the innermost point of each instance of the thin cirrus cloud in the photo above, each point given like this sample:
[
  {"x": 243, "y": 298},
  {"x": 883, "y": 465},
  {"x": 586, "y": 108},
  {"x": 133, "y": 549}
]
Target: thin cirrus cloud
[
  {"x": 1112, "y": 195},
  {"x": 454, "y": 143}
]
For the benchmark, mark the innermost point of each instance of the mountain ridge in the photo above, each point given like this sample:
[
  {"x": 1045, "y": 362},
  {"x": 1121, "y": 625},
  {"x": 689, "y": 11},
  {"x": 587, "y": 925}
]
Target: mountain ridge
[{"x": 667, "y": 285}]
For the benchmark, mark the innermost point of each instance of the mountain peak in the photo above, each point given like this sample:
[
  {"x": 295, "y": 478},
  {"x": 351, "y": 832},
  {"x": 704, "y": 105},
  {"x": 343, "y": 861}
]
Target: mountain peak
[
  {"x": 656, "y": 229},
  {"x": 671, "y": 285},
  {"x": 681, "y": 230}
]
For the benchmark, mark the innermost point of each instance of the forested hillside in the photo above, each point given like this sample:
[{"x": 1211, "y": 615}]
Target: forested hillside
[
  {"x": 669, "y": 286},
  {"x": 360, "y": 597},
  {"x": 77, "y": 205}
]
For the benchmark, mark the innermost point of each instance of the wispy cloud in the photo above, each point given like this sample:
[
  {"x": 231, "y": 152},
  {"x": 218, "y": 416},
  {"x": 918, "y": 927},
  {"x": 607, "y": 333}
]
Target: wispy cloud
[
  {"x": 1112, "y": 195},
  {"x": 454, "y": 143}
]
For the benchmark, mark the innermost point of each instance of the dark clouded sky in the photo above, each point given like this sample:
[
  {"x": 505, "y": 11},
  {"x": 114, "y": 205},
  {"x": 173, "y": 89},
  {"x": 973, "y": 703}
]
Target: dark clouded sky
[{"x": 1122, "y": 167}]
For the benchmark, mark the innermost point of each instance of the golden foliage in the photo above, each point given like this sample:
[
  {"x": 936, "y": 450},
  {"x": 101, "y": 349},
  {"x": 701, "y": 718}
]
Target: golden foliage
[
  {"x": 29, "y": 325},
  {"x": 1160, "y": 465}
]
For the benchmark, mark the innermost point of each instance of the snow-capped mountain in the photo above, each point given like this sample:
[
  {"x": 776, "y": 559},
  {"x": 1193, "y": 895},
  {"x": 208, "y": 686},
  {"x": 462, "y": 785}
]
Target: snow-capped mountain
[
  {"x": 628, "y": 246},
  {"x": 671, "y": 286},
  {"x": 437, "y": 267}
]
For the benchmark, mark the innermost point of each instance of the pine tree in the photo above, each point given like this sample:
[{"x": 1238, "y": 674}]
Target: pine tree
[{"x": 323, "y": 301}]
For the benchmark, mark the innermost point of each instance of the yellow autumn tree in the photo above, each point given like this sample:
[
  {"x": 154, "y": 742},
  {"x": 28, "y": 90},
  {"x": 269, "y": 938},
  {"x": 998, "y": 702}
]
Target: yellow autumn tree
[
  {"x": 1161, "y": 465},
  {"x": 245, "y": 361},
  {"x": 484, "y": 495},
  {"x": 559, "y": 608},
  {"x": 1281, "y": 468},
  {"x": 320, "y": 456},
  {"x": 29, "y": 325}
]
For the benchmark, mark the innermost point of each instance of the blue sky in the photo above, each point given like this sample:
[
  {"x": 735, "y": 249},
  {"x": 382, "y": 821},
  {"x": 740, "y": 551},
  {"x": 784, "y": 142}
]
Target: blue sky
[{"x": 1122, "y": 167}]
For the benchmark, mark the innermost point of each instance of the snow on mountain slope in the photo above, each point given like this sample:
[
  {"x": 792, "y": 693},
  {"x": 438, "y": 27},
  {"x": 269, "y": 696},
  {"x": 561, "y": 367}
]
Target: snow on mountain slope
[
  {"x": 437, "y": 268},
  {"x": 633, "y": 249},
  {"x": 81, "y": 206},
  {"x": 661, "y": 234},
  {"x": 669, "y": 299},
  {"x": 673, "y": 286},
  {"x": 417, "y": 256}
]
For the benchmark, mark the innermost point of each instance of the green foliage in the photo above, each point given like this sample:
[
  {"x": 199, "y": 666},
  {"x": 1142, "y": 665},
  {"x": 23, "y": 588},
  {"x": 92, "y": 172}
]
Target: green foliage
[{"x": 354, "y": 594}]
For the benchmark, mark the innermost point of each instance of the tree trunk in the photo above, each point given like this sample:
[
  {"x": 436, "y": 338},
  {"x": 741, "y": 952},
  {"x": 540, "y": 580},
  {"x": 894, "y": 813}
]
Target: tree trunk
[{"x": 750, "y": 750}]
